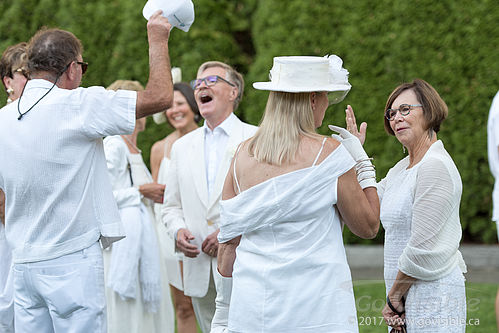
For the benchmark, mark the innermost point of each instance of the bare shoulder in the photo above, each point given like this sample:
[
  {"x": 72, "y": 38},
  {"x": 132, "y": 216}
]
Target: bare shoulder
[
  {"x": 158, "y": 148},
  {"x": 329, "y": 146}
]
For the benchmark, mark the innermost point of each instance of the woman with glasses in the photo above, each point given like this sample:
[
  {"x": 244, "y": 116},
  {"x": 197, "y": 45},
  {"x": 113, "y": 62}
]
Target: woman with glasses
[
  {"x": 183, "y": 116},
  {"x": 420, "y": 199},
  {"x": 14, "y": 77},
  {"x": 286, "y": 196}
]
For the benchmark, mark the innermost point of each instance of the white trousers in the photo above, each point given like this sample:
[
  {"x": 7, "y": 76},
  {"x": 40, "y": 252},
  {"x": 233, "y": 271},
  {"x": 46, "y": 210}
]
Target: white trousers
[
  {"x": 65, "y": 294},
  {"x": 204, "y": 307},
  {"x": 7, "y": 303},
  {"x": 6, "y": 286}
]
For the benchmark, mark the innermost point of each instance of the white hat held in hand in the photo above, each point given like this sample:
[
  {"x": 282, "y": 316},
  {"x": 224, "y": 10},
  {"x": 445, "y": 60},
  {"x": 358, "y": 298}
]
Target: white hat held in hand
[
  {"x": 307, "y": 74},
  {"x": 160, "y": 117},
  {"x": 180, "y": 13}
]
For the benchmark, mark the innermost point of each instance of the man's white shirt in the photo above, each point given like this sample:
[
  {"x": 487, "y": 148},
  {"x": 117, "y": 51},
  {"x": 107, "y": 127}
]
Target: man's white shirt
[{"x": 215, "y": 145}]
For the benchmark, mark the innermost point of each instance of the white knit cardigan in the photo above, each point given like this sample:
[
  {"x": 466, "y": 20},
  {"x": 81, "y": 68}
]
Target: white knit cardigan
[{"x": 432, "y": 251}]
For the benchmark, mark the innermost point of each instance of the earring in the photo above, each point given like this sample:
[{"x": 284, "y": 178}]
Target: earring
[
  {"x": 10, "y": 91},
  {"x": 403, "y": 148}
]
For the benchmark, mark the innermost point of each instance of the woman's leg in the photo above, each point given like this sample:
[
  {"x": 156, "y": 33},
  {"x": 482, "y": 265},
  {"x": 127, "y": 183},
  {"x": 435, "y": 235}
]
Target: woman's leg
[{"x": 184, "y": 312}]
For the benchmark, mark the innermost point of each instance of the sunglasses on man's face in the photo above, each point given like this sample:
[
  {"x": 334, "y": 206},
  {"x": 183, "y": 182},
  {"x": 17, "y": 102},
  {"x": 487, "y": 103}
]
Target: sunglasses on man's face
[{"x": 84, "y": 66}]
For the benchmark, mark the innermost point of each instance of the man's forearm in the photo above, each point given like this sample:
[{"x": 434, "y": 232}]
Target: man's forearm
[{"x": 158, "y": 95}]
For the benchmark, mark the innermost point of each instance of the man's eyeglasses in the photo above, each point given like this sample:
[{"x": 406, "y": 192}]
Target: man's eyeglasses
[
  {"x": 84, "y": 66},
  {"x": 209, "y": 81},
  {"x": 404, "y": 110}
]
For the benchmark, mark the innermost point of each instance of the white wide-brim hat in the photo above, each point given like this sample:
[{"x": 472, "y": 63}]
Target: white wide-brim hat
[
  {"x": 160, "y": 117},
  {"x": 180, "y": 13},
  {"x": 306, "y": 74}
]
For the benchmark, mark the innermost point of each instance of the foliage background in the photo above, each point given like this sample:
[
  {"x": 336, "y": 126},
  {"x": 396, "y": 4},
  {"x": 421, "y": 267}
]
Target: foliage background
[{"x": 452, "y": 44}]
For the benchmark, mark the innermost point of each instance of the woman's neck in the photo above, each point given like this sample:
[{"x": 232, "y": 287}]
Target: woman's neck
[
  {"x": 184, "y": 130},
  {"x": 419, "y": 148}
]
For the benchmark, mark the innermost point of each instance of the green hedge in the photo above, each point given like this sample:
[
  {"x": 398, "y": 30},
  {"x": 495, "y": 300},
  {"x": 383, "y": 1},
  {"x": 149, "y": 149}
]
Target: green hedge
[{"x": 450, "y": 43}]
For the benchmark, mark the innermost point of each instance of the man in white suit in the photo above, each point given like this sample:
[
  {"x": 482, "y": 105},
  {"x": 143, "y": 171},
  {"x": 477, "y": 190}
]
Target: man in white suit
[{"x": 199, "y": 163}]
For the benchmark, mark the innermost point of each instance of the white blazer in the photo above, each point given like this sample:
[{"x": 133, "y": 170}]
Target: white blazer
[{"x": 186, "y": 202}]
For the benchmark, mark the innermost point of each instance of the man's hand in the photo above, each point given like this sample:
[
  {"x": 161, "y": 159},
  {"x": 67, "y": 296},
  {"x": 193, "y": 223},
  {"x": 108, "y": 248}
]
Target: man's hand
[
  {"x": 210, "y": 244},
  {"x": 153, "y": 191},
  {"x": 158, "y": 28},
  {"x": 184, "y": 237}
]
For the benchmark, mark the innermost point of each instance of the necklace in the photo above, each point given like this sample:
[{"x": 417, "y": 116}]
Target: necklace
[{"x": 131, "y": 144}]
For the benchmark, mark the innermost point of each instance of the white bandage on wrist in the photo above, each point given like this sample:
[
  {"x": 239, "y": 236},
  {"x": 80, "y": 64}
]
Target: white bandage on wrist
[{"x": 366, "y": 173}]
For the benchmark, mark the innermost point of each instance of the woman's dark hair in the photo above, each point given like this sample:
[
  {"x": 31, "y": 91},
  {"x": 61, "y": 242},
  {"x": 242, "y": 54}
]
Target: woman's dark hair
[{"x": 188, "y": 93}]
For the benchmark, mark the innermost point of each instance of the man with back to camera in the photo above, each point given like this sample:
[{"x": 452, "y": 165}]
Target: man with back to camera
[
  {"x": 59, "y": 201},
  {"x": 199, "y": 163}
]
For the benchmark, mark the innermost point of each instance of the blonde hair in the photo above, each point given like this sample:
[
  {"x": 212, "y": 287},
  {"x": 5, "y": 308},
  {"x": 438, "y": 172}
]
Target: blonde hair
[
  {"x": 125, "y": 85},
  {"x": 231, "y": 75},
  {"x": 287, "y": 117}
]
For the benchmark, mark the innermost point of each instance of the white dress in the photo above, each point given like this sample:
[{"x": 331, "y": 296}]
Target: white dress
[
  {"x": 420, "y": 215},
  {"x": 167, "y": 244},
  {"x": 291, "y": 273},
  {"x": 131, "y": 315}
]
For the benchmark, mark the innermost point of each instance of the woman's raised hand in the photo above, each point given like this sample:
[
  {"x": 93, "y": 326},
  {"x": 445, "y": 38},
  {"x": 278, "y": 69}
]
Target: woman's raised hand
[{"x": 352, "y": 125}]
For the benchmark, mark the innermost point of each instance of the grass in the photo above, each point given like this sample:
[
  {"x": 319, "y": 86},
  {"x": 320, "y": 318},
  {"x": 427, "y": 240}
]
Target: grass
[
  {"x": 480, "y": 299},
  {"x": 370, "y": 300}
]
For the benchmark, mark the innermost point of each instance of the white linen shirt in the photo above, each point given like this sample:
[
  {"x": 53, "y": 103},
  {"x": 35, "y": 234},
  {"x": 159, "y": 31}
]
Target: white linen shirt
[
  {"x": 493, "y": 153},
  {"x": 215, "y": 145},
  {"x": 53, "y": 170}
]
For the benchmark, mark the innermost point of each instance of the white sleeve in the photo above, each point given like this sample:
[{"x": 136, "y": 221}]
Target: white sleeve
[
  {"x": 432, "y": 250},
  {"x": 171, "y": 211},
  {"x": 380, "y": 188},
  {"x": 119, "y": 174},
  {"x": 106, "y": 112},
  {"x": 495, "y": 126}
]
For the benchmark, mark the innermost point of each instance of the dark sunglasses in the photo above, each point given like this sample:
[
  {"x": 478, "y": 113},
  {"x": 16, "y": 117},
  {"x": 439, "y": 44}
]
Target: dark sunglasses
[
  {"x": 84, "y": 66},
  {"x": 209, "y": 81}
]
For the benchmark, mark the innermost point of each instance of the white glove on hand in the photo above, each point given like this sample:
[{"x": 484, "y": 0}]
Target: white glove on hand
[
  {"x": 222, "y": 302},
  {"x": 366, "y": 174}
]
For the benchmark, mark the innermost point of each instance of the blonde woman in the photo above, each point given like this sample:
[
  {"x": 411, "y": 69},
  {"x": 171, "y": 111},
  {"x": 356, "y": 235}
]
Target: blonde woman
[
  {"x": 137, "y": 293},
  {"x": 283, "y": 198}
]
